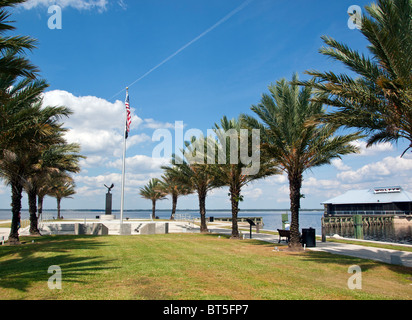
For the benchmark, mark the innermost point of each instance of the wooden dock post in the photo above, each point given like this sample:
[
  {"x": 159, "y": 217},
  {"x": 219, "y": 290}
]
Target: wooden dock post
[
  {"x": 323, "y": 230},
  {"x": 358, "y": 224}
]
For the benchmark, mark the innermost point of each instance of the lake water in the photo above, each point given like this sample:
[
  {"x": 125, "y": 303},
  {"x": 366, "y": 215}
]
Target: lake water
[{"x": 272, "y": 220}]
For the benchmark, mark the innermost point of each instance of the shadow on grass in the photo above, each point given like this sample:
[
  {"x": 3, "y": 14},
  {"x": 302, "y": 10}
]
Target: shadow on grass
[
  {"x": 345, "y": 260},
  {"x": 23, "y": 266},
  {"x": 254, "y": 242},
  {"x": 338, "y": 259}
]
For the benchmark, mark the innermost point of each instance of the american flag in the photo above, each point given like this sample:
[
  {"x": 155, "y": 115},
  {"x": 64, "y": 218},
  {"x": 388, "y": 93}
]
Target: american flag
[{"x": 129, "y": 116}]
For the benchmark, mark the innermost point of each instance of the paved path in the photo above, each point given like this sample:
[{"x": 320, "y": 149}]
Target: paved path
[{"x": 402, "y": 258}]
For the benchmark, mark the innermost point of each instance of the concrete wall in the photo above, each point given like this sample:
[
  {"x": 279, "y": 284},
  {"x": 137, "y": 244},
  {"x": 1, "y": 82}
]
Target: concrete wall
[{"x": 114, "y": 228}]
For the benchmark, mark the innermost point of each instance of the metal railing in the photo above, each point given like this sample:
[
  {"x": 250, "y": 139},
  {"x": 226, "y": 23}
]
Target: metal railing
[
  {"x": 183, "y": 217},
  {"x": 24, "y": 223},
  {"x": 370, "y": 212}
]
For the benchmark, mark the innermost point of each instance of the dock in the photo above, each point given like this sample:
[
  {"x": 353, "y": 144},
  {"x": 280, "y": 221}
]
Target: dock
[
  {"x": 256, "y": 220},
  {"x": 348, "y": 221}
]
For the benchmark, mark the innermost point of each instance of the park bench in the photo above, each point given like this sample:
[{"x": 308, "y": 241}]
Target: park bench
[{"x": 284, "y": 234}]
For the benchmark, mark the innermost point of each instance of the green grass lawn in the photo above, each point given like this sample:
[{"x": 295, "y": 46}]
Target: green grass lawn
[{"x": 188, "y": 266}]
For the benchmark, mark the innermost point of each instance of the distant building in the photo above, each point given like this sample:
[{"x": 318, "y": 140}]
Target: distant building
[{"x": 377, "y": 201}]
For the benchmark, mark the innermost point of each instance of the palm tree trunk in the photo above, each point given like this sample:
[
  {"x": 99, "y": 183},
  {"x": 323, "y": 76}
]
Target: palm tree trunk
[
  {"x": 295, "y": 184},
  {"x": 39, "y": 206},
  {"x": 16, "y": 191},
  {"x": 58, "y": 207},
  {"x": 153, "y": 209},
  {"x": 174, "y": 205},
  {"x": 202, "y": 209},
  {"x": 234, "y": 199},
  {"x": 34, "y": 231}
]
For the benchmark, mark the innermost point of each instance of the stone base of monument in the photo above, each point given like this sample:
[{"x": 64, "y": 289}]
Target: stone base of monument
[
  {"x": 107, "y": 217},
  {"x": 125, "y": 230},
  {"x": 96, "y": 229}
]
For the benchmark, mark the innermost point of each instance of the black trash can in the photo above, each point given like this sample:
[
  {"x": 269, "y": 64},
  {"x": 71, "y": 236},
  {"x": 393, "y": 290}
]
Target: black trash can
[
  {"x": 211, "y": 219},
  {"x": 309, "y": 237}
]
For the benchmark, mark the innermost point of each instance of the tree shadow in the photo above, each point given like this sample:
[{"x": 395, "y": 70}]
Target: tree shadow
[
  {"x": 253, "y": 242},
  {"x": 27, "y": 264},
  {"x": 364, "y": 263}
]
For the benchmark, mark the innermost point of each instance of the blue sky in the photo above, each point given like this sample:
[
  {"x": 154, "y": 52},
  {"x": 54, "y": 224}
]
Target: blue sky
[{"x": 105, "y": 45}]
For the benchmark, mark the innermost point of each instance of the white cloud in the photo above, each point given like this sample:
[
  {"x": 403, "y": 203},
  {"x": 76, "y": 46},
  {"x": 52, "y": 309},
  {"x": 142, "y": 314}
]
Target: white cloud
[
  {"x": 96, "y": 124},
  {"x": 324, "y": 187},
  {"x": 100, "y": 5},
  {"x": 389, "y": 167},
  {"x": 91, "y": 112},
  {"x": 96, "y": 183},
  {"x": 141, "y": 163},
  {"x": 252, "y": 192},
  {"x": 100, "y": 180},
  {"x": 314, "y": 184},
  {"x": 92, "y": 161},
  {"x": 284, "y": 190},
  {"x": 277, "y": 179},
  {"x": 374, "y": 149},
  {"x": 310, "y": 186},
  {"x": 153, "y": 124},
  {"x": 87, "y": 191},
  {"x": 338, "y": 164}
]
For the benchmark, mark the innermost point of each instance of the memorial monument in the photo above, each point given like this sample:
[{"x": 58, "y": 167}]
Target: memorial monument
[{"x": 108, "y": 211}]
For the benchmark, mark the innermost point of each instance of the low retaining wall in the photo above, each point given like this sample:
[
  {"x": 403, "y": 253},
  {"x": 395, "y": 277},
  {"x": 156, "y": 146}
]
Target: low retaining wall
[
  {"x": 115, "y": 228},
  {"x": 96, "y": 229}
]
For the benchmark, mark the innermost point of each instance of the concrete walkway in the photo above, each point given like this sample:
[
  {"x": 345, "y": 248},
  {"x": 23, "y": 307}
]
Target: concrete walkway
[{"x": 402, "y": 258}]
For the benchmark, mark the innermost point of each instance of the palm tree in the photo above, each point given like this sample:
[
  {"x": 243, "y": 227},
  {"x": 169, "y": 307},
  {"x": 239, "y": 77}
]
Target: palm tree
[
  {"x": 23, "y": 127},
  {"x": 379, "y": 100},
  {"x": 36, "y": 166},
  {"x": 18, "y": 91},
  {"x": 12, "y": 61},
  {"x": 293, "y": 140},
  {"x": 62, "y": 186},
  {"x": 232, "y": 173},
  {"x": 58, "y": 158},
  {"x": 195, "y": 172},
  {"x": 26, "y": 129},
  {"x": 169, "y": 184},
  {"x": 152, "y": 192},
  {"x": 19, "y": 110},
  {"x": 12, "y": 170}
]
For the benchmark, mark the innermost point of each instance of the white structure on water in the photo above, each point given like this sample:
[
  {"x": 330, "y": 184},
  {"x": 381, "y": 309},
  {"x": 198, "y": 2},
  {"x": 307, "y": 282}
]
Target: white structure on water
[{"x": 376, "y": 201}]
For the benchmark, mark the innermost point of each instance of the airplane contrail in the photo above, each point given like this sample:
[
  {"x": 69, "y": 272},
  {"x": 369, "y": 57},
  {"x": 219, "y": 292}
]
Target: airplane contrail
[{"x": 224, "y": 19}]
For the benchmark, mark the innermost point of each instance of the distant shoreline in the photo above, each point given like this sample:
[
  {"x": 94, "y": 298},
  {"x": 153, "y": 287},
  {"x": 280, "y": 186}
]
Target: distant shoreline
[{"x": 178, "y": 210}]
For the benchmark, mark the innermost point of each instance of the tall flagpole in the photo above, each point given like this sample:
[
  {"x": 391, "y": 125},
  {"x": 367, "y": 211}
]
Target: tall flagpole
[{"x": 124, "y": 165}]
